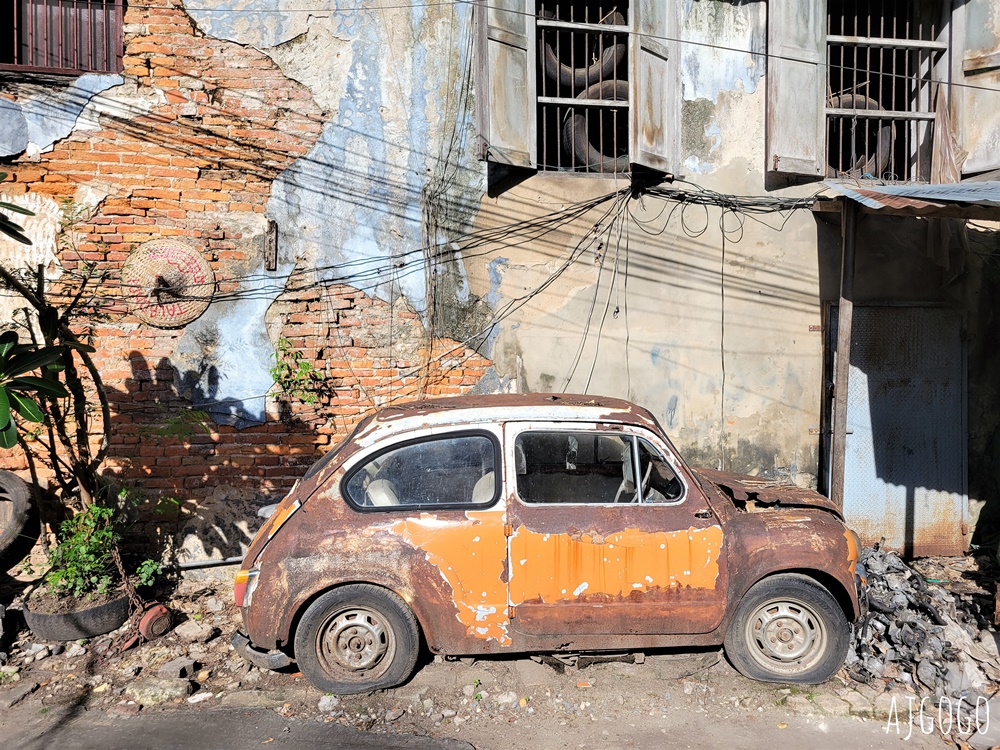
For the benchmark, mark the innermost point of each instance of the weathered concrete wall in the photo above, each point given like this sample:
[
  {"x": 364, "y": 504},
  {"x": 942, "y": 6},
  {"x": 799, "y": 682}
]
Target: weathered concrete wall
[
  {"x": 351, "y": 126},
  {"x": 713, "y": 337}
]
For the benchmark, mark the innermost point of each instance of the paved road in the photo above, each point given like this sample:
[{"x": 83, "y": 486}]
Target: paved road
[
  {"x": 218, "y": 729},
  {"x": 243, "y": 729}
]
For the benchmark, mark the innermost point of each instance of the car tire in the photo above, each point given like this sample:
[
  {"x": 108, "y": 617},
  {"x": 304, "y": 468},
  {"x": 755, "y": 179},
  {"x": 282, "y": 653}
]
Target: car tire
[
  {"x": 19, "y": 527},
  {"x": 356, "y": 639},
  {"x": 788, "y": 628}
]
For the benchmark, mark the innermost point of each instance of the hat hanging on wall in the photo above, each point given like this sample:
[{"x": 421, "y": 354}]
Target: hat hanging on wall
[{"x": 168, "y": 282}]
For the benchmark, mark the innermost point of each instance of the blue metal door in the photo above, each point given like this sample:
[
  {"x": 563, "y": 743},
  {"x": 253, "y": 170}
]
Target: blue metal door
[{"x": 905, "y": 474}]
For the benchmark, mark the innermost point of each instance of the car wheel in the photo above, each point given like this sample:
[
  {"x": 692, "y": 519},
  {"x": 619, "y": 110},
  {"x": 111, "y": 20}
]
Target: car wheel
[
  {"x": 788, "y": 628},
  {"x": 356, "y": 639}
]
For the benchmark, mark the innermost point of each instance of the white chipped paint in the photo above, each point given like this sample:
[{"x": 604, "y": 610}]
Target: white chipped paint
[
  {"x": 482, "y": 612},
  {"x": 580, "y": 589}
]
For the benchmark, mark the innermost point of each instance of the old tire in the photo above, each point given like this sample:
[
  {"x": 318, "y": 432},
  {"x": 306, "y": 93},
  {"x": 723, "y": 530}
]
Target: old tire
[
  {"x": 19, "y": 527},
  {"x": 356, "y": 639},
  {"x": 87, "y": 622},
  {"x": 790, "y": 629},
  {"x": 604, "y": 68},
  {"x": 576, "y": 131}
]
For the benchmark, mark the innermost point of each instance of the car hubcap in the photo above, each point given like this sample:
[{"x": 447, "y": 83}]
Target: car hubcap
[
  {"x": 356, "y": 639},
  {"x": 786, "y": 635}
]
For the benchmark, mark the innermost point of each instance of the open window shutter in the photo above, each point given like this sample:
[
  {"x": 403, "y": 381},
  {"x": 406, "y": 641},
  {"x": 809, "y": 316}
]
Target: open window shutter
[
  {"x": 796, "y": 87},
  {"x": 505, "y": 81},
  {"x": 655, "y": 81},
  {"x": 978, "y": 103}
]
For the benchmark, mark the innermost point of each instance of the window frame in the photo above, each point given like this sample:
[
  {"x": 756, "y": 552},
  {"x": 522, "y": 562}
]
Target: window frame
[
  {"x": 115, "y": 55},
  {"x": 507, "y": 102},
  {"x": 613, "y": 428},
  {"x": 796, "y": 141},
  {"x": 379, "y": 450}
]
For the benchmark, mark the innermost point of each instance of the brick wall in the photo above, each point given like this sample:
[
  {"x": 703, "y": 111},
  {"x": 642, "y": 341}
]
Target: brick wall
[{"x": 227, "y": 123}]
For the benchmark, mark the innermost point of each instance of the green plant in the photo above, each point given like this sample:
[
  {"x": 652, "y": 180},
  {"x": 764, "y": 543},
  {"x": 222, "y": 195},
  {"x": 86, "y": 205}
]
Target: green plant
[
  {"x": 77, "y": 431},
  {"x": 11, "y": 229},
  {"x": 167, "y": 506},
  {"x": 147, "y": 572},
  {"x": 82, "y": 562},
  {"x": 181, "y": 425},
  {"x": 293, "y": 374},
  {"x": 18, "y": 390}
]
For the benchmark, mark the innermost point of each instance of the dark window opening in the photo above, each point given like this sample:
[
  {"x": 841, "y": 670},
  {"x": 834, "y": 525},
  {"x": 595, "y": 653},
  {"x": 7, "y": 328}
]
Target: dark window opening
[
  {"x": 583, "y": 91},
  {"x": 884, "y": 59},
  {"x": 592, "y": 468},
  {"x": 61, "y": 36}
]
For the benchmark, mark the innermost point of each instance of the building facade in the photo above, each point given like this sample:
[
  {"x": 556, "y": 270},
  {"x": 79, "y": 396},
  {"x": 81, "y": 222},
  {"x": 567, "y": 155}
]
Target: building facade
[{"x": 430, "y": 198}]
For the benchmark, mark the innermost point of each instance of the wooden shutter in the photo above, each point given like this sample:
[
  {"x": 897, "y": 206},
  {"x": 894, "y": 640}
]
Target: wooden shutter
[
  {"x": 977, "y": 104},
  {"x": 796, "y": 87},
  {"x": 505, "y": 82},
  {"x": 655, "y": 85}
]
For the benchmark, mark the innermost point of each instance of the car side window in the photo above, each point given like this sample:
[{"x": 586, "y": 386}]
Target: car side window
[
  {"x": 659, "y": 483},
  {"x": 575, "y": 467},
  {"x": 442, "y": 471}
]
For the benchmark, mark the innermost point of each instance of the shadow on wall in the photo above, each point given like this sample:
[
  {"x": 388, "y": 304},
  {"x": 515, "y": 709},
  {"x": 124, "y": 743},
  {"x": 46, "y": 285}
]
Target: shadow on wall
[
  {"x": 168, "y": 451},
  {"x": 905, "y": 461}
]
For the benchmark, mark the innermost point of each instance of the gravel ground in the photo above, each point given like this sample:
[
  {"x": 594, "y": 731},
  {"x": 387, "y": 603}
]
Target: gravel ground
[{"x": 678, "y": 699}]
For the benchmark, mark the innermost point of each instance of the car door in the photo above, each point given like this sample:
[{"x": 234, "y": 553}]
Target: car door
[{"x": 608, "y": 533}]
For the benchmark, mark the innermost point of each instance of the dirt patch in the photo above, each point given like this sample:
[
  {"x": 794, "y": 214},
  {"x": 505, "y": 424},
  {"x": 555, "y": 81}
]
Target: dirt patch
[{"x": 44, "y": 602}]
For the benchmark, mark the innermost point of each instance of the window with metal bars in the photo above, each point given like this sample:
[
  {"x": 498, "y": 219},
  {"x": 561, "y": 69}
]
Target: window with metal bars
[
  {"x": 61, "y": 36},
  {"x": 885, "y": 59},
  {"x": 583, "y": 86}
]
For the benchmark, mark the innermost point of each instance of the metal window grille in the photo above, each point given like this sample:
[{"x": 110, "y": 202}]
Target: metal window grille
[
  {"x": 882, "y": 58},
  {"x": 61, "y": 36},
  {"x": 583, "y": 93}
]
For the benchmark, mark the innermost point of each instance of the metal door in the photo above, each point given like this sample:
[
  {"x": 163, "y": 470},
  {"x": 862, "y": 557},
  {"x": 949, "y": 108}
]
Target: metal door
[
  {"x": 905, "y": 475},
  {"x": 624, "y": 568}
]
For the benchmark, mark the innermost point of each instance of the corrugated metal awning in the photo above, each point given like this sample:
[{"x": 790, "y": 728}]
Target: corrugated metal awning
[{"x": 963, "y": 200}]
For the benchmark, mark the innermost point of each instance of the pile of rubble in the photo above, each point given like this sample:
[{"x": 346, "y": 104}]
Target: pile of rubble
[{"x": 929, "y": 629}]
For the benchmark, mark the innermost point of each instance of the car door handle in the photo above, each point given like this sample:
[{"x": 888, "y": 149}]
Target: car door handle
[{"x": 703, "y": 513}]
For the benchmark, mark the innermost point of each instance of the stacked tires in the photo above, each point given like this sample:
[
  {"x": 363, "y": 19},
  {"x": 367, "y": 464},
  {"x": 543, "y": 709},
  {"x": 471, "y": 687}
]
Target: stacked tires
[{"x": 601, "y": 79}]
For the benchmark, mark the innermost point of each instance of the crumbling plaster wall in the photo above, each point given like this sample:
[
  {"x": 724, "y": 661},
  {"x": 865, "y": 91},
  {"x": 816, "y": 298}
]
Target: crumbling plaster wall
[
  {"x": 722, "y": 349},
  {"x": 205, "y": 137}
]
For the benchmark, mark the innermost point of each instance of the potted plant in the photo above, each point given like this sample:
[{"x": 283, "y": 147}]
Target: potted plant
[{"x": 83, "y": 592}]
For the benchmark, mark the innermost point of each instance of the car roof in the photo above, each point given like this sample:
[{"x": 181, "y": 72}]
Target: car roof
[{"x": 508, "y": 407}]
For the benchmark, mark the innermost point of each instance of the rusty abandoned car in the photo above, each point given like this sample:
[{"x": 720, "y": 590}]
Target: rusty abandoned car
[{"x": 539, "y": 523}]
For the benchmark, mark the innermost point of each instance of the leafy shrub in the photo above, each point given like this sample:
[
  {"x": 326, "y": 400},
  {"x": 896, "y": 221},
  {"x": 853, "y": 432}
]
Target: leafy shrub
[{"x": 81, "y": 563}]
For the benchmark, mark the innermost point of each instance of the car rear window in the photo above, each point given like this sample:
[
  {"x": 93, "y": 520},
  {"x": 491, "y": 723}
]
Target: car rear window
[{"x": 459, "y": 470}]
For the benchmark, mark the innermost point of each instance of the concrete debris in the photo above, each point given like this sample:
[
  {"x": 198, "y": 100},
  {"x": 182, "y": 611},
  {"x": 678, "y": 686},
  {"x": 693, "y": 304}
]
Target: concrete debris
[
  {"x": 12, "y": 696},
  {"x": 154, "y": 690},
  {"x": 193, "y": 631},
  {"x": 920, "y": 633},
  {"x": 179, "y": 667},
  {"x": 328, "y": 703}
]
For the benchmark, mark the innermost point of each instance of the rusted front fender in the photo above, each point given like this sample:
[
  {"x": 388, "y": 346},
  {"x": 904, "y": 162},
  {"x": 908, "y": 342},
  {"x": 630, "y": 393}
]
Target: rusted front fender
[{"x": 815, "y": 543}]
